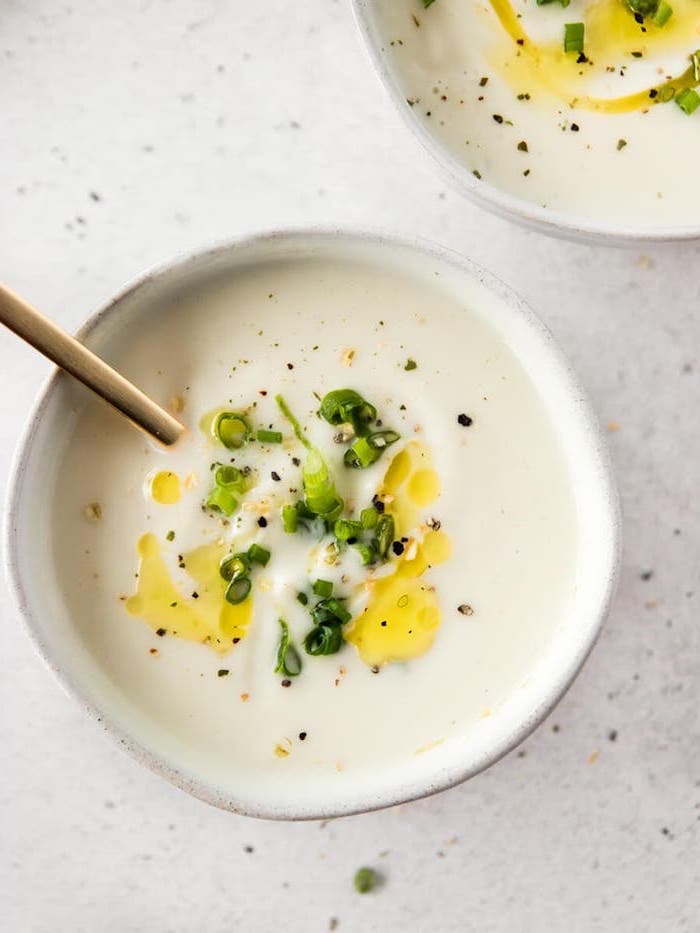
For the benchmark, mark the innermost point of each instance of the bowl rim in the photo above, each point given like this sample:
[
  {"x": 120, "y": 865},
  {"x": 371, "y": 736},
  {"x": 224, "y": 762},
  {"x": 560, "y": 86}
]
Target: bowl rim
[
  {"x": 73, "y": 685},
  {"x": 496, "y": 200}
]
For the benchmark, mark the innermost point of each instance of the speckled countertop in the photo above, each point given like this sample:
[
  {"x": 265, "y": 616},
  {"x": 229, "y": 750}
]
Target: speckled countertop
[{"x": 133, "y": 131}]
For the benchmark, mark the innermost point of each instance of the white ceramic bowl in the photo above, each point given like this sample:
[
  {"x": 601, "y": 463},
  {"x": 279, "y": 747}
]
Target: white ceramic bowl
[
  {"x": 482, "y": 192},
  {"x": 33, "y": 579}
]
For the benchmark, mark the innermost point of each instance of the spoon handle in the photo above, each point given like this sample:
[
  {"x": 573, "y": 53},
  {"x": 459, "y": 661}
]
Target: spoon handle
[{"x": 89, "y": 369}]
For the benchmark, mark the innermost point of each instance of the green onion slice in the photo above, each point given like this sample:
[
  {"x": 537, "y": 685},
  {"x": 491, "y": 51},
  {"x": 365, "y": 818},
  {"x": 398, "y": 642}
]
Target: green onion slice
[
  {"x": 287, "y": 412},
  {"x": 366, "y": 552},
  {"x": 322, "y": 587},
  {"x": 221, "y": 500},
  {"x": 321, "y": 496},
  {"x": 330, "y": 609},
  {"x": 288, "y": 660},
  {"x": 346, "y": 406},
  {"x": 269, "y": 437},
  {"x": 385, "y": 535},
  {"x": 290, "y": 519},
  {"x": 573, "y": 37},
  {"x": 238, "y": 589},
  {"x": 230, "y": 477},
  {"x": 232, "y": 429},
  {"x": 663, "y": 14},
  {"x": 234, "y": 565},
  {"x": 368, "y": 517},
  {"x": 345, "y": 528},
  {"x": 258, "y": 554},
  {"x": 688, "y": 100},
  {"x": 361, "y": 455},
  {"x": 324, "y": 639}
]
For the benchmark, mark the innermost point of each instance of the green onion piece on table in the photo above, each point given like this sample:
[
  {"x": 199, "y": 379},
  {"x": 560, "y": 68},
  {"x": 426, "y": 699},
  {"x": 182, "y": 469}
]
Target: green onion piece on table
[
  {"x": 688, "y": 100},
  {"x": 232, "y": 429},
  {"x": 573, "y": 37},
  {"x": 365, "y": 880},
  {"x": 288, "y": 660},
  {"x": 322, "y": 587},
  {"x": 269, "y": 437},
  {"x": 367, "y": 450},
  {"x": 238, "y": 590}
]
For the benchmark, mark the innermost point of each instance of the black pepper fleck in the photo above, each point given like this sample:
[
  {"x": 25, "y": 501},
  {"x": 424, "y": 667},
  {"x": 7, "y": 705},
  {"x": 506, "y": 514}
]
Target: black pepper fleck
[
  {"x": 464, "y": 420},
  {"x": 262, "y": 521},
  {"x": 397, "y": 548},
  {"x": 275, "y": 475}
]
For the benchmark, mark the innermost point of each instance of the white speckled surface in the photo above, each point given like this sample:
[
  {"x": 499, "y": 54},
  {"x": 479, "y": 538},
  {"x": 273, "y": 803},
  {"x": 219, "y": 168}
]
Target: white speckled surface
[{"x": 194, "y": 121}]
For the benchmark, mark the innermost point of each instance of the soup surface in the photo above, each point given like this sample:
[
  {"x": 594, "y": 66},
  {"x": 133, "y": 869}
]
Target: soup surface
[
  {"x": 607, "y": 130},
  {"x": 365, "y": 613}
]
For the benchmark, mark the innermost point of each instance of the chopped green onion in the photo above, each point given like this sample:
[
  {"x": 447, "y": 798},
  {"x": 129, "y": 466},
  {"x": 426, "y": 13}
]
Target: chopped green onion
[
  {"x": 238, "y": 590},
  {"x": 290, "y": 519},
  {"x": 286, "y": 411},
  {"x": 427, "y": 3},
  {"x": 688, "y": 100},
  {"x": 367, "y": 450},
  {"x": 269, "y": 437},
  {"x": 695, "y": 61},
  {"x": 221, "y": 500},
  {"x": 330, "y": 609},
  {"x": 234, "y": 565},
  {"x": 663, "y": 13},
  {"x": 345, "y": 406},
  {"x": 321, "y": 496},
  {"x": 344, "y": 529},
  {"x": 324, "y": 639},
  {"x": 258, "y": 554},
  {"x": 368, "y": 517},
  {"x": 381, "y": 439},
  {"x": 288, "y": 660},
  {"x": 232, "y": 429},
  {"x": 643, "y": 7},
  {"x": 573, "y": 37},
  {"x": 564, "y": 3},
  {"x": 361, "y": 454},
  {"x": 365, "y": 878},
  {"x": 322, "y": 587},
  {"x": 302, "y": 598},
  {"x": 366, "y": 552},
  {"x": 230, "y": 477},
  {"x": 385, "y": 535}
]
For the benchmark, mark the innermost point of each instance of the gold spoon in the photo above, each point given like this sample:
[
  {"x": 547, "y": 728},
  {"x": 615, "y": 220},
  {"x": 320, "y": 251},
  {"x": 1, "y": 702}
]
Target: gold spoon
[{"x": 68, "y": 353}]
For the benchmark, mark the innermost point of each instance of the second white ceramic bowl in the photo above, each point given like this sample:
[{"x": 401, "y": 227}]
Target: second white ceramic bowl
[{"x": 482, "y": 192}]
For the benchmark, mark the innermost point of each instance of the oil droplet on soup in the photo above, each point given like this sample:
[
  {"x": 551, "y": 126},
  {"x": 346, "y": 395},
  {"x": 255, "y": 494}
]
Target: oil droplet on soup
[
  {"x": 403, "y": 612},
  {"x": 165, "y": 488},
  {"x": 205, "y": 617}
]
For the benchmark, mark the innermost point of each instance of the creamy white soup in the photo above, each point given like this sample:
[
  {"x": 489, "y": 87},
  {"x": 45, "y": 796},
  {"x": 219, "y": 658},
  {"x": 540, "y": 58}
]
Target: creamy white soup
[
  {"x": 362, "y": 549},
  {"x": 588, "y": 107}
]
